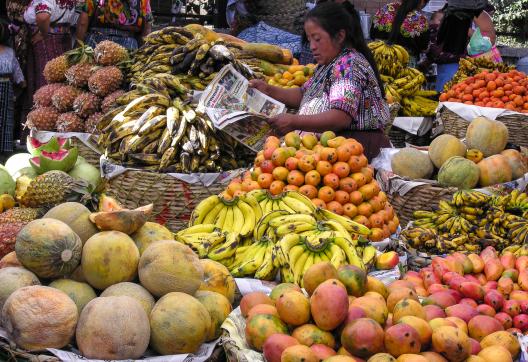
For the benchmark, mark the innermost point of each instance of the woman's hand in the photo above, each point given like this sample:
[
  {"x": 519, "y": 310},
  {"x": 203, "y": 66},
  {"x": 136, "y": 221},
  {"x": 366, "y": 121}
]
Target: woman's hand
[
  {"x": 283, "y": 123},
  {"x": 260, "y": 85}
]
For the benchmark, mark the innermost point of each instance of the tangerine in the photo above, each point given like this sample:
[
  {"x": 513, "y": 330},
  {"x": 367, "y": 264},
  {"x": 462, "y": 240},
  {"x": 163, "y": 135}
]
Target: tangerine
[
  {"x": 341, "y": 169},
  {"x": 350, "y": 210},
  {"x": 342, "y": 197},
  {"x": 348, "y": 184},
  {"x": 295, "y": 178},
  {"x": 356, "y": 197},
  {"x": 335, "y": 207},
  {"x": 331, "y": 180},
  {"x": 323, "y": 167},
  {"x": 312, "y": 178},
  {"x": 319, "y": 203},
  {"x": 308, "y": 190},
  {"x": 264, "y": 180},
  {"x": 326, "y": 194},
  {"x": 276, "y": 187}
]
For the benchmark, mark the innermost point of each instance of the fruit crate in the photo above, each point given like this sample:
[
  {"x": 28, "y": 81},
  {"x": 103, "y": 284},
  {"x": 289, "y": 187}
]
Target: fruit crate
[{"x": 517, "y": 125}]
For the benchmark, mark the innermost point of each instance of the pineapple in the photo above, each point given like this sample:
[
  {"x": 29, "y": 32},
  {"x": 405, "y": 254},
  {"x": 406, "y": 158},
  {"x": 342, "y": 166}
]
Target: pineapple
[
  {"x": 70, "y": 122},
  {"x": 53, "y": 188},
  {"x": 43, "y": 119},
  {"x": 20, "y": 214},
  {"x": 81, "y": 54},
  {"x": 79, "y": 74},
  {"x": 105, "y": 80},
  {"x": 55, "y": 69},
  {"x": 63, "y": 98},
  {"x": 109, "y": 102},
  {"x": 8, "y": 234},
  {"x": 109, "y": 53},
  {"x": 90, "y": 126},
  {"x": 86, "y": 104},
  {"x": 42, "y": 97}
]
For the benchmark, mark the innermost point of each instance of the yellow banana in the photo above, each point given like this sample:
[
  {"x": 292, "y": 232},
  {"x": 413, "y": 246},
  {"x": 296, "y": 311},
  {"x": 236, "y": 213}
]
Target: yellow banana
[{"x": 202, "y": 209}]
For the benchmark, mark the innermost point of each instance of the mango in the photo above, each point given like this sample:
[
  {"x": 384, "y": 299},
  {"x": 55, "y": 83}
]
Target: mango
[
  {"x": 354, "y": 279},
  {"x": 477, "y": 263},
  {"x": 489, "y": 253},
  {"x": 373, "y": 307},
  {"x": 411, "y": 357},
  {"x": 475, "y": 346},
  {"x": 505, "y": 319},
  {"x": 262, "y": 326},
  {"x": 472, "y": 290},
  {"x": 440, "y": 322},
  {"x": 442, "y": 299},
  {"x": 523, "y": 279},
  {"x": 507, "y": 260},
  {"x": 493, "y": 269},
  {"x": 293, "y": 308},
  {"x": 480, "y": 326},
  {"x": 381, "y": 357},
  {"x": 281, "y": 288},
  {"x": 495, "y": 354},
  {"x": 322, "y": 351},
  {"x": 504, "y": 339},
  {"x": 275, "y": 345},
  {"x": 376, "y": 285},
  {"x": 298, "y": 353},
  {"x": 460, "y": 324},
  {"x": 363, "y": 337},
  {"x": 511, "y": 273},
  {"x": 494, "y": 299},
  {"x": 250, "y": 300},
  {"x": 399, "y": 294},
  {"x": 467, "y": 265},
  {"x": 263, "y": 309},
  {"x": 462, "y": 311},
  {"x": 387, "y": 261},
  {"x": 521, "y": 322},
  {"x": 433, "y": 357},
  {"x": 407, "y": 307},
  {"x": 433, "y": 311},
  {"x": 401, "y": 339},
  {"x": 485, "y": 309},
  {"x": 421, "y": 326},
  {"x": 329, "y": 305},
  {"x": 318, "y": 273},
  {"x": 512, "y": 307},
  {"x": 310, "y": 334},
  {"x": 451, "y": 343}
]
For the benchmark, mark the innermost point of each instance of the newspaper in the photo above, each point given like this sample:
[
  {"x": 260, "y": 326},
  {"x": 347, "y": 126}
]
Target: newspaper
[{"x": 237, "y": 109}]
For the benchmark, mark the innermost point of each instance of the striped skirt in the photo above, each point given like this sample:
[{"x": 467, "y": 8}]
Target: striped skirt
[
  {"x": 7, "y": 107},
  {"x": 124, "y": 38}
]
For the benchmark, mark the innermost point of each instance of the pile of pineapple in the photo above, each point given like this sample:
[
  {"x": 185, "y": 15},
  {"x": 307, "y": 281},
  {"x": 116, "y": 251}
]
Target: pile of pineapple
[{"x": 83, "y": 84}]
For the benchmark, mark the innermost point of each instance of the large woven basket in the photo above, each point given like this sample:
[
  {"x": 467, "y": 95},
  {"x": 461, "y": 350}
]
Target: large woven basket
[
  {"x": 11, "y": 353},
  {"x": 173, "y": 199},
  {"x": 89, "y": 154},
  {"x": 517, "y": 125}
]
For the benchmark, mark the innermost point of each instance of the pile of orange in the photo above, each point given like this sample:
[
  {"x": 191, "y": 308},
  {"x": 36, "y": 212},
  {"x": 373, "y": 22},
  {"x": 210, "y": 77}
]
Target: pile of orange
[
  {"x": 332, "y": 171},
  {"x": 492, "y": 89},
  {"x": 295, "y": 76}
]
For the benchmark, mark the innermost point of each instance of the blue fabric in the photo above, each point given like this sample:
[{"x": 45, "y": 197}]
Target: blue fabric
[
  {"x": 306, "y": 56},
  {"x": 123, "y": 38},
  {"x": 445, "y": 74},
  {"x": 522, "y": 65},
  {"x": 264, "y": 33}
]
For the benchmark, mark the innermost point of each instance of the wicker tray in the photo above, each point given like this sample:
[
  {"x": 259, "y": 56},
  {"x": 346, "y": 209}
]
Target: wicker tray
[
  {"x": 517, "y": 125},
  {"x": 173, "y": 199}
]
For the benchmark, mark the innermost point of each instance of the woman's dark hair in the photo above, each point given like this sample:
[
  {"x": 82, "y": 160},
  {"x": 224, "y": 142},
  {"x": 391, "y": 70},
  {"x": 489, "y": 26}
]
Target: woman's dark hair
[
  {"x": 405, "y": 8},
  {"x": 4, "y": 33},
  {"x": 333, "y": 17}
]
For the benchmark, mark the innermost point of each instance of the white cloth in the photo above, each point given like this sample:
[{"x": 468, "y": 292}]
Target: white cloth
[{"x": 62, "y": 12}]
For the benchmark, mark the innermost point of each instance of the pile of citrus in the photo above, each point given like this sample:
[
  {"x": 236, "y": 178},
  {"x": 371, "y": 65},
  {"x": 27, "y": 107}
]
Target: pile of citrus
[
  {"x": 333, "y": 172},
  {"x": 295, "y": 76},
  {"x": 492, "y": 89}
]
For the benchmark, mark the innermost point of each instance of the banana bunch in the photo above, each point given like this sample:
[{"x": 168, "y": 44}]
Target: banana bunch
[
  {"x": 289, "y": 201},
  {"x": 391, "y": 93},
  {"x": 418, "y": 106},
  {"x": 391, "y": 59},
  {"x": 428, "y": 240},
  {"x": 159, "y": 133},
  {"x": 517, "y": 250},
  {"x": 468, "y": 67},
  {"x": 408, "y": 82}
]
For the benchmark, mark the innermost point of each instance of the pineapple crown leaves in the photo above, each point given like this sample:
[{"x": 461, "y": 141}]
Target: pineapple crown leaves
[{"x": 81, "y": 54}]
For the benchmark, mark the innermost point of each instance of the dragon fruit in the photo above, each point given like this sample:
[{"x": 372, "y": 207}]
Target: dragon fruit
[
  {"x": 62, "y": 160},
  {"x": 35, "y": 147}
]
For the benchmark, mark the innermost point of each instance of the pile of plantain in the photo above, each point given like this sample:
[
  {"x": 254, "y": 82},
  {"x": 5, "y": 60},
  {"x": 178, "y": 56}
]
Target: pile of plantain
[
  {"x": 468, "y": 67},
  {"x": 471, "y": 221}
]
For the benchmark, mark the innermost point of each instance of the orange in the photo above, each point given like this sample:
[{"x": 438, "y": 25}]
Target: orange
[
  {"x": 250, "y": 185},
  {"x": 328, "y": 154},
  {"x": 280, "y": 173},
  {"x": 335, "y": 207},
  {"x": 365, "y": 209},
  {"x": 341, "y": 169},
  {"x": 312, "y": 178},
  {"x": 295, "y": 178},
  {"x": 355, "y": 146},
  {"x": 348, "y": 184},
  {"x": 342, "y": 197},
  {"x": 306, "y": 163},
  {"x": 331, "y": 180},
  {"x": 326, "y": 194},
  {"x": 308, "y": 190},
  {"x": 291, "y": 188},
  {"x": 362, "y": 220},
  {"x": 323, "y": 167},
  {"x": 233, "y": 187},
  {"x": 359, "y": 178},
  {"x": 291, "y": 163},
  {"x": 354, "y": 163},
  {"x": 350, "y": 210},
  {"x": 319, "y": 203},
  {"x": 276, "y": 187},
  {"x": 356, "y": 197},
  {"x": 376, "y": 221},
  {"x": 376, "y": 234},
  {"x": 344, "y": 152}
]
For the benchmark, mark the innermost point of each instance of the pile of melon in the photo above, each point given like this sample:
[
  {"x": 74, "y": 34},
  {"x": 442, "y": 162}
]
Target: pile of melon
[
  {"x": 111, "y": 293},
  {"x": 480, "y": 160}
]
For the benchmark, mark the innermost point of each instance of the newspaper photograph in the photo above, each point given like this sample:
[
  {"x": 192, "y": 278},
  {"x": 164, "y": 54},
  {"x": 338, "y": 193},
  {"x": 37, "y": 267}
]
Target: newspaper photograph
[{"x": 239, "y": 110}]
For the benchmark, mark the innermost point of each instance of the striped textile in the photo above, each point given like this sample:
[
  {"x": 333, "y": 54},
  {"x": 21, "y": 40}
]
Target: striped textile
[
  {"x": 7, "y": 106},
  {"x": 123, "y": 38}
]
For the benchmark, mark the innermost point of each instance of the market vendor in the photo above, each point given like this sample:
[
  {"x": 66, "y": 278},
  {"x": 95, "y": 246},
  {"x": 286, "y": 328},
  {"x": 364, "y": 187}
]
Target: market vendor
[
  {"x": 345, "y": 94},
  {"x": 121, "y": 21}
]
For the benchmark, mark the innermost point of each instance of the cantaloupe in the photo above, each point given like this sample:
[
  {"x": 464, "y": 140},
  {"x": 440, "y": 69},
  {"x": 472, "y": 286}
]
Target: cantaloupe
[
  {"x": 132, "y": 290},
  {"x": 108, "y": 258},
  {"x": 494, "y": 170},
  {"x": 149, "y": 233},
  {"x": 218, "y": 307},
  {"x": 518, "y": 163},
  {"x": 169, "y": 266},
  {"x": 113, "y": 328},
  {"x": 77, "y": 275},
  {"x": 217, "y": 278},
  {"x": 9, "y": 259},
  {"x": 444, "y": 147},
  {"x": 80, "y": 293},
  {"x": 49, "y": 248},
  {"x": 13, "y": 278},
  {"x": 487, "y": 135},
  {"x": 179, "y": 323},
  {"x": 76, "y": 216},
  {"x": 38, "y": 317},
  {"x": 459, "y": 172},
  {"x": 412, "y": 163}
]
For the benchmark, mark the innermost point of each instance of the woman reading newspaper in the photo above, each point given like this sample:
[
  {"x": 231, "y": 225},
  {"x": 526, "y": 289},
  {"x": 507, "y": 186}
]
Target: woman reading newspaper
[{"x": 345, "y": 94}]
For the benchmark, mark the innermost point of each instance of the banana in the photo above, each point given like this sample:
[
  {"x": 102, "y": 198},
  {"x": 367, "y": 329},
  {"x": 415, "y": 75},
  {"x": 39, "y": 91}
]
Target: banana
[
  {"x": 249, "y": 267},
  {"x": 220, "y": 218},
  {"x": 301, "y": 198},
  {"x": 253, "y": 202},
  {"x": 284, "y": 246},
  {"x": 263, "y": 223},
  {"x": 294, "y": 227},
  {"x": 369, "y": 255},
  {"x": 350, "y": 252},
  {"x": 294, "y": 254},
  {"x": 337, "y": 255},
  {"x": 238, "y": 220},
  {"x": 227, "y": 249},
  {"x": 213, "y": 214},
  {"x": 249, "y": 218},
  {"x": 351, "y": 226},
  {"x": 266, "y": 270},
  {"x": 298, "y": 267},
  {"x": 297, "y": 205},
  {"x": 200, "y": 228},
  {"x": 340, "y": 229},
  {"x": 279, "y": 220},
  {"x": 229, "y": 220},
  {"x": 202, "y": 209},
  {"x": 259, "y": 194},
  {"x": 307, "y": 264},
  {"x": 282, "y": 206}
]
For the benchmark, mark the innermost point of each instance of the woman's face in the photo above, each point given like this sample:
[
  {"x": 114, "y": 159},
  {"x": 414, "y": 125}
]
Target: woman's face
[{"x": 324, "y": 48}]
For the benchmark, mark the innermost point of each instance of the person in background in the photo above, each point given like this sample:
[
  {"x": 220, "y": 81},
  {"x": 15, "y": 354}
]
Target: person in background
[
  {"x": 10, "y": 74},
  {"x": 121, "y": 21},
  {"x": 345, "y": 94},
  {"x": 404, "y": 24}
]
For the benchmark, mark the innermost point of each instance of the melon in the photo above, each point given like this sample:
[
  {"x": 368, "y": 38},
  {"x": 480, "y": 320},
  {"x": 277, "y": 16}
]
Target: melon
[
  {"x": 35, "y": 147},
  {"x": 38, "y": 317},
  {"x": 518, "y": 163},
  {"x": 49, "y": 248},
  {"x": 494, "y": 170},
  {"x": 77, "y": 275},
  {"x": 76, "y": 216},
  {"x": 113, "y": 328},
  {"x": 14, "y": 278},
  {"x": 108, "y": 258},
  {"x": 80, "y": 293},
  {"x": 61, "y": 160},
  {"x": 459, "y": 172},
  {"x": 132, "y": 290},
  {"x": 444, "y": 147},
  {"x": 16, "y": 163},
  {"x": 7, "y": 184},
  {"x": 487, "y": 135},
  {"x": 218, "y": 307},
  {"x": 86, "y": 172},
  {"x": 169, "y": 266},
  {"x": 412, "y": 163},
  {"x": 179, "y": 323},
  {"x": 9, "y": 259},
  {"x": 149, "y": 233},
  {"x": 217, "y": 278}
]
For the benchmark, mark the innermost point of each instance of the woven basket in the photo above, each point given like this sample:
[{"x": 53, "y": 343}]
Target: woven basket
[
  {"x": 91, "y": 156},
  {"x": 517, "y": 125},
  {"x": 11, "y": 353},
  {"x": 173, "y": 199}
]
